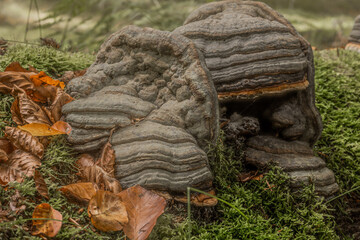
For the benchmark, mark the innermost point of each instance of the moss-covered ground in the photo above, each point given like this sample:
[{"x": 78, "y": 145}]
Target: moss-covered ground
[{"x": 271, "y": 213}]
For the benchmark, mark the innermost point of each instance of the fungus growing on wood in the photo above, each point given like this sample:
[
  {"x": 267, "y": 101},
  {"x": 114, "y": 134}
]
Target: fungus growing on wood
[
  {"x": 153, "y": 91},
  {"x": 263, "y": 70},
  {"x": 354, "y": 39}
]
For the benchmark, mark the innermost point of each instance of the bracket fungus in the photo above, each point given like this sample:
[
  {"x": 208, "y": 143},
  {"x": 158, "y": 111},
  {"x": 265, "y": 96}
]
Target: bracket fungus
[
  {"x": 153, "y": 91},
  {"x": 354, "y": 39},
  {"x": 263, "y": 70}
]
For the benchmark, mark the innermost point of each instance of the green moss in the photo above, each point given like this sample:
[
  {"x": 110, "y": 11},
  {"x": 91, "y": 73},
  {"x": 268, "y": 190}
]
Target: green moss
[
  {"x": 338, "y": 100},
  {"x": 50, "y": 60},
  {"x": 5, "y": 114}
]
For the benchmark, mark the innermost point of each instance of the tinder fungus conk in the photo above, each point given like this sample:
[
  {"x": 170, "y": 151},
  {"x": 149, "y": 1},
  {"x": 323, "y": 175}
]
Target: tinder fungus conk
[
  {"x": 263, "y": 72},
  {"x": 152, "y": 89},
  {"x": 354, "y": 39}
]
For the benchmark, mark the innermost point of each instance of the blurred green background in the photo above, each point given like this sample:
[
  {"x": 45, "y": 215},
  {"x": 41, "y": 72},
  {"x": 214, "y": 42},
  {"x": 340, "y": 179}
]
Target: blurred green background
[{"x": 84, "y": 24}]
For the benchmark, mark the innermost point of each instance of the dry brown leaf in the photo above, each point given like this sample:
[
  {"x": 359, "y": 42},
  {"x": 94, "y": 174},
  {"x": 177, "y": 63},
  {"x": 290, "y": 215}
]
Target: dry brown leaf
[
  {"x": 6, "y": 145},
  {"x": 107, "y": 212},
  {"x": 79, "y": 193},
  {"x": 68, "y": 75},
  {"x": 15, "y": 202},
  {"x": 48, "y": 228},
  {"x": 40, "y": 129},
  {"x": 15, "y": 67},
  {"x": 41, "y": 185},
  {"x": 85, "y": 160},
  {"x": 31, "y": 112},
  {"x": 62, "y": 127},
  {"x": 247, "y": 176},
  {"x": 61, "y": 98},
  {"x": 107, "y": 159},
  {"x": 101, "y": 178},
  {"x": 20, "y": 164},
  {"x": 24, "y": 140},
  {"x": 10, "y": 79},
  {"x": 143, "y": 208},
  {"x": 15, "y": 112},
  {"x": 43, "y": 93},
  {"x": 3, "y": 156}
]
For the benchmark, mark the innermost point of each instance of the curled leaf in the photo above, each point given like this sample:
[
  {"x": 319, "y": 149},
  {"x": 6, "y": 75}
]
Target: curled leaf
[
  {"x": 107, "y": 159},
  {"x": 8, "y": 81},
  {"x": 101, "y": 178},
  {"x": 31, "y": 112},
  {"x": 85, "y": 160},
  {"x": 6, "y": 145},
  {"x": 41, "y": 185},
  {"x": 20, "y": 164},
  {"x": 49, "y": 228},
  {"x": 24, "y": 140},
  {"x": 107, "y": 212},
  {"x": 3, "y": 156},
  {"x": 143, "y": 208},
  {"x": 61, "y": 126},
  {"x": 79, "y": 193},
  {"x": 60, "y": 100},
  {"x": 15, "y": 112},
  {"x": 40, "y": 129},
  {"x": 43, "y": 79}
]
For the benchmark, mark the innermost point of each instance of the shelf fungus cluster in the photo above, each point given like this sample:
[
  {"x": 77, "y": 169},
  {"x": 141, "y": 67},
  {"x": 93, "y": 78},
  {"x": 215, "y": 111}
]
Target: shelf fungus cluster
[
  {"x": 156, "y": 95},
  {"x": 354, "y": 39}
]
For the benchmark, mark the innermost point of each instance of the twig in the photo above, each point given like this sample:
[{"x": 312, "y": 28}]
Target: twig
[
  {"x": 28, "y": 20},
  {"x": 343, "y": 194},
  {"x": 38, "y": 13}
]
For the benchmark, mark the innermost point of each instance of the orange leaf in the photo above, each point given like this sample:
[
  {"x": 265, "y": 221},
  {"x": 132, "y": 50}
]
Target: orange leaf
[
  {"x": 40, "y": 129},
  {"x": 24, "y": 140},
  {"x": 49, "y": 228},
  {"x": 107, "y": 211},
  {"x": 41, "y": 185},
  {"x": 62, "y": 127},
  {"x": 200, "y": 200},
  {"x": 143, "y": 208},
  {"x": 15, "y": 67},
  {"x": 43, "y": 79},
  {"x": 79, "y": 193}
]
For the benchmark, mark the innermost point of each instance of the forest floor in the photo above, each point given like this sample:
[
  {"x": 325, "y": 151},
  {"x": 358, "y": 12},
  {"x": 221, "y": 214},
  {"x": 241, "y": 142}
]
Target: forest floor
[{"x": 270, "y": 213}]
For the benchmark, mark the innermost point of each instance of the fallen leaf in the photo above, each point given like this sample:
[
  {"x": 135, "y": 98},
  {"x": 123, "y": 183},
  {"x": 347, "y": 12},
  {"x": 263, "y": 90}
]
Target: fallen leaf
[
  {"x": 143, "y": 208},
  {"x": 200, "y": 200},
  {"x": 10, "y": 79},
  {"x": 3, "y": 156},
  {"x": 61, "y": 98},
  {"x": 102, "y": 179},
  {"x": 14, "y": 202},
  {"x": 20, "y": 164},
  {"x": 107, "y": 159},
  {"x": 68, "y": 75},
  {"x": 6, "y": 145},
  {"x": 15, "y": 112},
  {"x": 49, "y": 228},
  {"x": 85, "y": 160},
  {"x": 24, "y": 140},
  {"x": 79, "y": 193},
  {"x": 61, "y": 126},
  {"x": 40, "y": 129},
  {"x": 43, "y": 93},
  {"x": 41, "y": 185},
  {"x": 107, "y": 211},
  {"x": 15, "y": 67},
  {"x": 30, "y": 112},
  {"x": 50, "y": 42},
  {"x": 247, "y": 176},
  {"x": 43, "y": 79}
]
